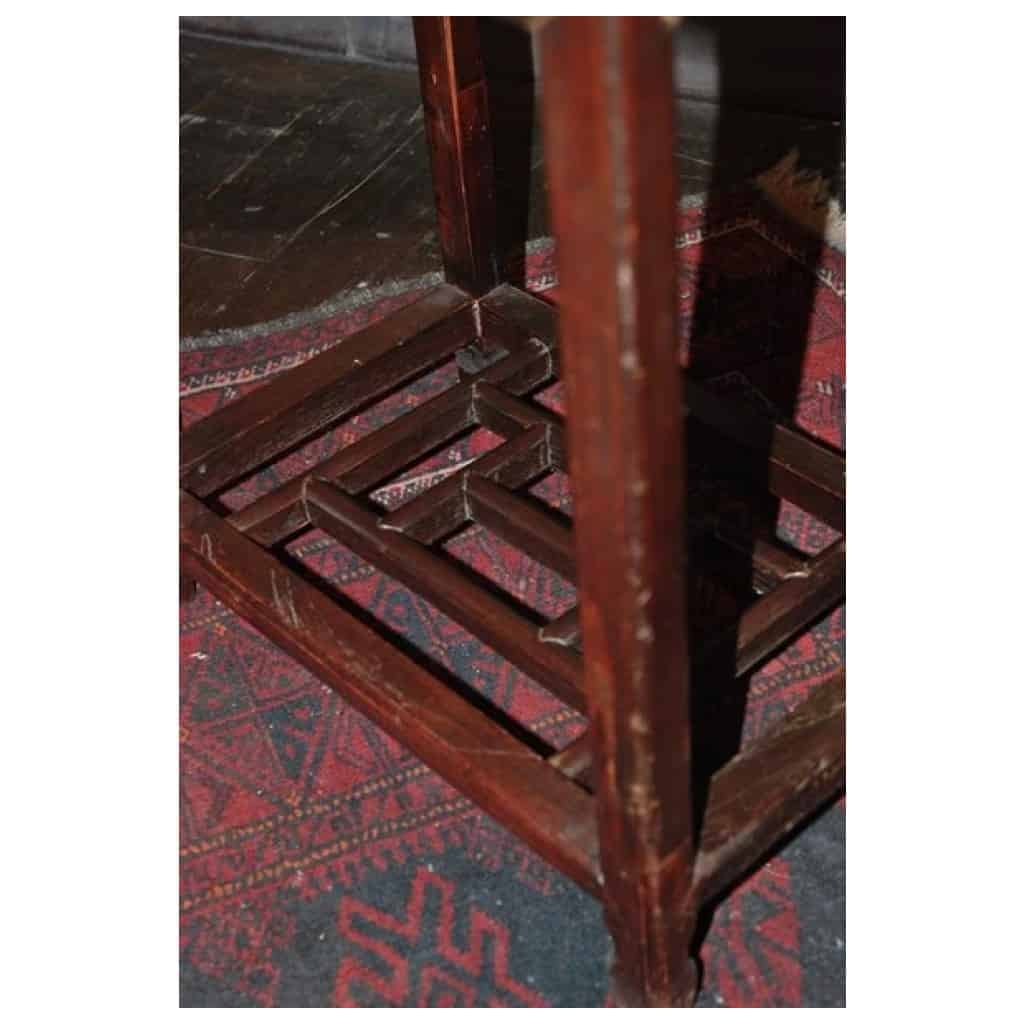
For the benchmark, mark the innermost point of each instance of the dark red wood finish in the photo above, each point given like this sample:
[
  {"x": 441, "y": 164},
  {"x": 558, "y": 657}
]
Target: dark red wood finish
[
  {"x": 608, "y": 136},
  {"x": 458, "y": 128},
  {"x": 616, "y": 810},
  {"x": 510, "y": 781},
  {"x": 768, "y": 788},
  {"x": 239, "y": 437}
]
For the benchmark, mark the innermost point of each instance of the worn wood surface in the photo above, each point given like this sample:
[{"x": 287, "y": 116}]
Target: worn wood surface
[
  {"x": 788, "y": 463},
  {"x": 239, "y": 437},
  {"x": 506, "y": 778},
  {"x": 366, "y": 463},
  {"x": 792, "y": 606},
  {"x": 263, "y": 131},
  {"x": 794, "y": 602},
  {"x": 762, "y": 793},
  {"x": 333, "y": 497},
  {"x": 654, "y": 840},
  {"x": 298, "y": 177},
  {"x": 461, "y": 147},
  {"x": 523, "y": 524},
  {"x": 607, "y": 107},
  {"x": 435, "y": 514},
  {"x": 452, "y": 591}
]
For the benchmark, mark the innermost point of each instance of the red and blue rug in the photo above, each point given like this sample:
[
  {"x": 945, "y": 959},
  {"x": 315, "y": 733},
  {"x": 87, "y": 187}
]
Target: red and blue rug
[{"x": 322, "y": 865}]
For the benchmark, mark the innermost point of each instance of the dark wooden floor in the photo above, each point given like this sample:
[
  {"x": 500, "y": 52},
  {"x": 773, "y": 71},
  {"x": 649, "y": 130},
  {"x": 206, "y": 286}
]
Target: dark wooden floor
[{"x": 302, "y": 178}]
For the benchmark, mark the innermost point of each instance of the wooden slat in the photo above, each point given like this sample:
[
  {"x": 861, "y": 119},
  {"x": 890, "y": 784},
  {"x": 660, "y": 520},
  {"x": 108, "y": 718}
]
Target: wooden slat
[
  {"x": 763, "y": 792},
  {"x": 769, "y": 623},
  {"x": 800, "y": 469},
  {"x": 442, "y": 509},
  {"x": 574, "y": 761},
  {"x": 507, "y": 415},
  {"x": 512, "y": 306},
  {"x": 780, "y": 615},
  {"x": 366, "y": 463},
  {"x": 771, "y": 562},
  {"x": 246, "y": 433},
  {"x": 522, "y": 524},
  {"x": 281, "y": 513},
  {"x": 441, "y": 582},
  {"x": 267, "y": 401},
  {"x": 565, "y": 630},
  {"x": 507, "y": 315},
  {"x": 766, "y": 561},
  {"x": 503, "y": 776}
]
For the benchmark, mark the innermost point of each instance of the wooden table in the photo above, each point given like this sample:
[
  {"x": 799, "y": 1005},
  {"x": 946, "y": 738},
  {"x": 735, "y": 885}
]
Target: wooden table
[{"x": 620, "y": 811}]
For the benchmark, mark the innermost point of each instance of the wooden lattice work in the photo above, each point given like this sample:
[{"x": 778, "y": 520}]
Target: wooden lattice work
[{"x": 573, "y": 805}]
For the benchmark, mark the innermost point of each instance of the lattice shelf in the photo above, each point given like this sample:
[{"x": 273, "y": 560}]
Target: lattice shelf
[{"x": 505, "y": 345}]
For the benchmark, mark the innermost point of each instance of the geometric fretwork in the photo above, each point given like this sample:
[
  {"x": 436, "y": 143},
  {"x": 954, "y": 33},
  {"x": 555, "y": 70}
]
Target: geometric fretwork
[
  {"x": 645, "y": 810},
  {"x": 511, "y": 337}
]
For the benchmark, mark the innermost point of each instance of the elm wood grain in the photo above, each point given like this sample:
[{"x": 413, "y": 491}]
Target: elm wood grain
[
  {"x": 506, "y": 414},
  {"x": 445, "y": 585},
  {"x": 608, "y": 109},
  {"x": 739, "y": 558},
  {"x": 714, "y": 557},
  {"x": 482, "y": 402},
  {"x": 457, "y": 124},
  {"x": 441, "y": 510},
  {"x": 574, "y": 760},
  {"x": 371, "y": 460},
  {"x": 240, "y": 436},
  {"x": 763, "y": 792},
  {"x": 507, "y": 56},
  {"x": 507, "y": 779}
]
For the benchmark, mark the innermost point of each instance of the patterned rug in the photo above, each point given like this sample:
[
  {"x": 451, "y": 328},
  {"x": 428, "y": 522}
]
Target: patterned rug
[{"x": 322, "y": 865}]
